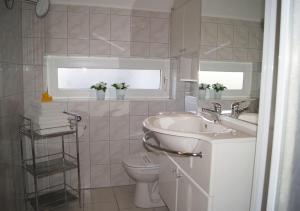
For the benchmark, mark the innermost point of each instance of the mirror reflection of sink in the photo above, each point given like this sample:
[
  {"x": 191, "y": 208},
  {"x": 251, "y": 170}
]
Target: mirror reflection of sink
[
  {"x": 249, "y": 117},
  {"x": 181, "y": 131}
]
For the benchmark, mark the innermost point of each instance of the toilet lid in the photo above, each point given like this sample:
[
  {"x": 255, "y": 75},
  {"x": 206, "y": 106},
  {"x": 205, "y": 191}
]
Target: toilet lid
[{"x": 142, "y": 160}]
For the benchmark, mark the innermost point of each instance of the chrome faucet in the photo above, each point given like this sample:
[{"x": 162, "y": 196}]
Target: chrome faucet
[
  {"x": 215, "y": 113},
  {"x": 217, "y": 107},
  {"x": 213, "y": 116},
  {"x": 236, "y": 110}
]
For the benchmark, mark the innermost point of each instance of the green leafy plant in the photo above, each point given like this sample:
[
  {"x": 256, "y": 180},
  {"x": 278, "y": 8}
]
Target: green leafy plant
[
  {"x": 101, "y": 86},
  {"x": 120, "y": 85},
  {"x": 203, "y": 86},
  {"x": 218, "y": 87}
]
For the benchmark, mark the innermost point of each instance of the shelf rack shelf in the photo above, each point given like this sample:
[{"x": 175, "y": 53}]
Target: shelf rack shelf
[
  {"x": 39, "y": 167},
  {"x": 51, "y": 167},
  {"x": 52, "y": 199}
]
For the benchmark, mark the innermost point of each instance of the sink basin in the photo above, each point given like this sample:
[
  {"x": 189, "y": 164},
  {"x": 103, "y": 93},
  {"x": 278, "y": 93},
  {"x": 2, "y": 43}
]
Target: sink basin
[{"x": 181, "y": 131}]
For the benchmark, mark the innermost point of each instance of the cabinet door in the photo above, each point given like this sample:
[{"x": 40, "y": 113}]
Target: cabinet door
[
  {"x": 168, "y": 182},
  {"x": 191, "y": 26},
  {"x": 177, "y": 31},
  {"x": 198, "y": 168},
  {"x": 190, "y": 197}
]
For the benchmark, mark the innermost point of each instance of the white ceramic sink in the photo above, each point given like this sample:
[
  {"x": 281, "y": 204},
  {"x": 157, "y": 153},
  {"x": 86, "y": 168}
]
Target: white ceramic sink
[{"x": 181, "y": 131}]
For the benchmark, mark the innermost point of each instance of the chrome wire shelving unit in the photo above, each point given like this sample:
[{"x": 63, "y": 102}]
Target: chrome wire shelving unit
[{"x": 39, "y": 167}]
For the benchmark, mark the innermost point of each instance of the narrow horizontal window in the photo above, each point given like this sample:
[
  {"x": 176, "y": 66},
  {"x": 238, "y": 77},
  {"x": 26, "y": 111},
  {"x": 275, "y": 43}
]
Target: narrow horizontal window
[
  {"x": 84, "y": 78},
  {"x": 232, "y": 80},
  {"x": 72, "y": 77}
]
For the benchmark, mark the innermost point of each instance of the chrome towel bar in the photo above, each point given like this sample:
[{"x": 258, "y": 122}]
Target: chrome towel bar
[
  {"x": 184, "y": 154},
  {"x": 75, "y": 115}
]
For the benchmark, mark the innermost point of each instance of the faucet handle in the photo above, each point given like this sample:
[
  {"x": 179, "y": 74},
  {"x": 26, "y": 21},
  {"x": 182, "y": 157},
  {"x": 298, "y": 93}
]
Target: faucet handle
[
  {"x": 217, "y": 107},
  {"x": 235, "y": 109},
  {"x": 237, "y": 104}
]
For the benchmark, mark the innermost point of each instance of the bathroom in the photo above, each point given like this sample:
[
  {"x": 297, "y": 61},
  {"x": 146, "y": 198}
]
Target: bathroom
[{"x": 187, "y": 61}]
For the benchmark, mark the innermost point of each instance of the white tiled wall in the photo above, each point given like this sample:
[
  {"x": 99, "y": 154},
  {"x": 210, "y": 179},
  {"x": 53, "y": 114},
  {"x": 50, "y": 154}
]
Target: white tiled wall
[
  {"x": 231, "y": 40},
  {"x": 113, "y": 130},
  {"x": 97, "y": 31},
  {"x": 88, "y": 31},
  {"x": 11, "y": 106}
]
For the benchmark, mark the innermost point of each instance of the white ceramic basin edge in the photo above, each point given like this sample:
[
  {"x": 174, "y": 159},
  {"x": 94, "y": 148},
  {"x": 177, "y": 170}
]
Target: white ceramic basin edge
[{"x": 182, "y": 131}]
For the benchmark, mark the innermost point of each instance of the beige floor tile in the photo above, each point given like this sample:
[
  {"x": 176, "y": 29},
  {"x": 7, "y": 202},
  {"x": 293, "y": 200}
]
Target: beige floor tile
[
  {"x": 161, "y": 209},
  {"x": 149, "y": 209},
  {"x": 101, "y": 207},
  {"x": 137, "y": 209},
  {"x": 107, "y": 199},
  {"x": 99, "y": 195},
  {"x": 72, "y": 206},
  {"x": 124, "y": 189},
  {"x": 124, "y": 196}
]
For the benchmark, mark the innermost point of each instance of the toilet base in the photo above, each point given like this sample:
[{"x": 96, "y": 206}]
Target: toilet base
[{"x": 147, "y": 196}]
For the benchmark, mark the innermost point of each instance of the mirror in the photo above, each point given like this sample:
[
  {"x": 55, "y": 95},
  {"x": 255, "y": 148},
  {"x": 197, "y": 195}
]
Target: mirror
[{"x": 230, "y": 55}]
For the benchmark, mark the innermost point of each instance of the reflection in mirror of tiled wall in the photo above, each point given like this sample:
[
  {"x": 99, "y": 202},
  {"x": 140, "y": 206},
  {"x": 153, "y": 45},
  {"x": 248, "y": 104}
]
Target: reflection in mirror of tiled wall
[{"x": 233, "y": 40}]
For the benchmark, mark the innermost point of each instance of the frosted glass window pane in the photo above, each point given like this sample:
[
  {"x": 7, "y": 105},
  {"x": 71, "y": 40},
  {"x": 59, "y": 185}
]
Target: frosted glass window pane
[
  {"x": 232, "y": 80},
  {"x": 83, "y": 78}
]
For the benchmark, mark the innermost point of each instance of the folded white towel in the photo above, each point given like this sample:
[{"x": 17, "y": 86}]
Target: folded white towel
[
  {"x": 54, "y": 130},
  {"x": 42, "y": 126},
  {"x": 49, "y": 106}
]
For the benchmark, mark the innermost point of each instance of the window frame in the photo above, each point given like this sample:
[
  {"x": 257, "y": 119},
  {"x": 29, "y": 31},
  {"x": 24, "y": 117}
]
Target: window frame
[
  {"x": 220, "y": 66},
  {"x": 55, "y": 62}
]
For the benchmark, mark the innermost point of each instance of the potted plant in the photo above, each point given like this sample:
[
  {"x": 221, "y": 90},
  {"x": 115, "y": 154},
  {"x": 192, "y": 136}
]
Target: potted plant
[
  {"x": 203, "y": 90},
  {"x": 120, "y": 90},
  {"x": 100, "y": 90},
  {"x": 218, "y": 90}
]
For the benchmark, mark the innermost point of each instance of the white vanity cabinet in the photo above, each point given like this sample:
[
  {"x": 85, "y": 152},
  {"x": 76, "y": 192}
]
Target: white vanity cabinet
[
  {"x": 168, "y": 182},
  {"x": 185, "y": 27},
  {"x": 219, "y": 181},
  {"x": 178, "y": 190},
  {"x": 190, "y": 196}
]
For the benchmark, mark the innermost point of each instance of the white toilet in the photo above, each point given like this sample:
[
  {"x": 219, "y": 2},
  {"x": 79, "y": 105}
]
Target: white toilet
[{"x": 143, "y": 167}]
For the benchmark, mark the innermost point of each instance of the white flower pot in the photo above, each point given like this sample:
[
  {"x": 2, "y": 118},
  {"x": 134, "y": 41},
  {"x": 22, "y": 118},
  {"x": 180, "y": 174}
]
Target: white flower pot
[
  {"x": 100, "y": 95},
  {"x": 209, "y": 94},
  {"x": 120, "y": 93},
  {"x": 218, "y": 95},
  {"x": 202, "y": 94}
]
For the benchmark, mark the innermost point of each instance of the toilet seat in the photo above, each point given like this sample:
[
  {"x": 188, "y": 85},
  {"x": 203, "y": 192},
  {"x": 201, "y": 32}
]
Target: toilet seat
[{"x": 141, "y": 160}]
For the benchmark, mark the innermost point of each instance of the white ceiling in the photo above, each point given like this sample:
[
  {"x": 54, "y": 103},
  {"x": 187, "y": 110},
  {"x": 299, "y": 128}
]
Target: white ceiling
[
  {"x": 237, "y": 9},
  {"x": 153, "y": 5}
]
